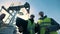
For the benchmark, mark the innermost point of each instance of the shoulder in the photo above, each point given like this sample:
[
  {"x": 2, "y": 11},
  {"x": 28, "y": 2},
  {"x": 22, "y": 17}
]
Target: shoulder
[{"x": 52, "y": 19}]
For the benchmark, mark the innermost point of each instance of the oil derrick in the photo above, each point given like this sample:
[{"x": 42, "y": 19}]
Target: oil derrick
[{"x": 15, "y": 10}]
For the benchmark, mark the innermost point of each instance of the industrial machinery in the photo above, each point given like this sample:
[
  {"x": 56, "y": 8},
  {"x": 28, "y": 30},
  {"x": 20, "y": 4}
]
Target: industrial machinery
[{"x": 15, "y": 10}]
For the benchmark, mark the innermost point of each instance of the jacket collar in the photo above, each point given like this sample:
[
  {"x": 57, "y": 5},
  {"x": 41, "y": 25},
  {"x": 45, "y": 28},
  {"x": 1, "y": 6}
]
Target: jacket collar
[{"x": 43, "y": 17}]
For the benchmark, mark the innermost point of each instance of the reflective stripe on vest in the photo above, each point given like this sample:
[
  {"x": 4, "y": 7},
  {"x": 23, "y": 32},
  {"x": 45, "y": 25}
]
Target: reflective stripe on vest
[{"x": 44, "y": 22}]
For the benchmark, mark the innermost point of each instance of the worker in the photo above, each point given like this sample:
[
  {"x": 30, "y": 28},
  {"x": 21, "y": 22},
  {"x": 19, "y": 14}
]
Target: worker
[
  {"x": 47, "y": 25},
  {"x": 31, "y": 25}
]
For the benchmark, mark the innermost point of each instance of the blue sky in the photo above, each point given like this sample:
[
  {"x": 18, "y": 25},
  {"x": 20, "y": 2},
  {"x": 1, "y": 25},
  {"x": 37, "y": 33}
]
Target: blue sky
[{"x": 51, "y": 8}]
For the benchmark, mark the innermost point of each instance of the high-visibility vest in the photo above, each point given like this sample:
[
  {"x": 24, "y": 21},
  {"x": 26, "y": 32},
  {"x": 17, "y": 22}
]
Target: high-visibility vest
[
  {"x": 31, "y": 27},
  {"x": 44, "y": 22}
]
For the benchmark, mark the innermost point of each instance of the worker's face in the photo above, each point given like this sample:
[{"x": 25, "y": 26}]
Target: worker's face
[
  {"x": 41, "y": 14},
  {"x": 32, "y": 17}
]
